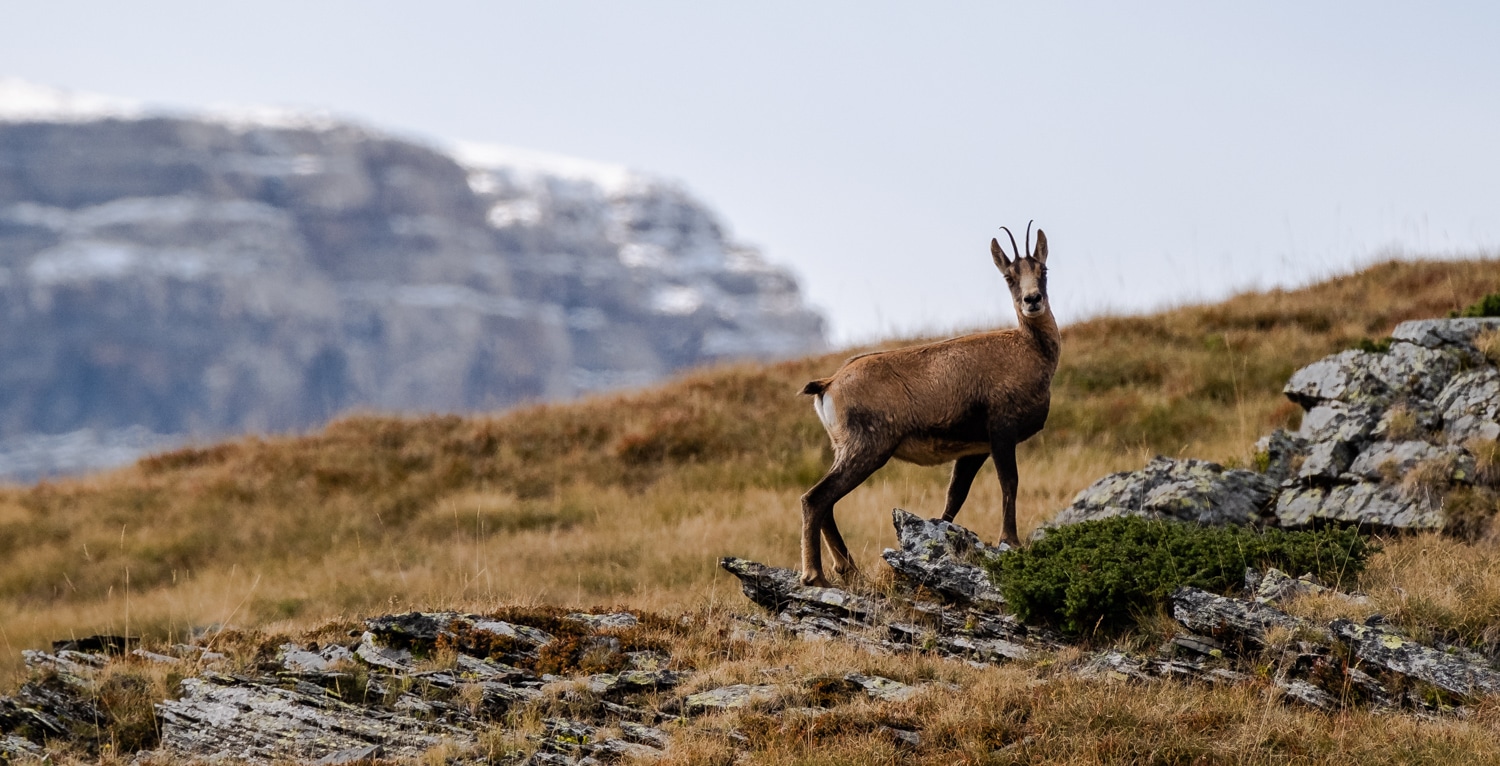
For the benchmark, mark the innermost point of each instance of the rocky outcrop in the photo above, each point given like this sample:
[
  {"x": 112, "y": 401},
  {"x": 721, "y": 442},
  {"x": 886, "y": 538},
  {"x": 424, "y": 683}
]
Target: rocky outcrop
[
  {"x": 1224, "y": 639},
  {"x": 1382, "y": 438},
  {"x": 378, "y": 697},
  {"x": 208, "y": 275}
]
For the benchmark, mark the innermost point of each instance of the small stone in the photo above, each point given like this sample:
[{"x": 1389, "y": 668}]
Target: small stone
[
  {"x": 883, "y": 689},
  {"x": 603, "y": 621},
  {"x": 730, "y": 698},
  {"x": 353, "y": 755},
  {"x": 299, "y": 660},
  {"x": 902, "y": 737},
  {"x": 1277, "y": 587},
  {"x": 645, "y": 735},
  {"x": 398, "y": 660},
  {"x": 633, "y": 681}
]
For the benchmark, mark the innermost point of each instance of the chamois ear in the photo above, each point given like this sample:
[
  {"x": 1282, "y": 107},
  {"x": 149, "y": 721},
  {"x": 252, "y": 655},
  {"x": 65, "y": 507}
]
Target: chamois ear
[
  {"x": 1039, "y": 253},
  {"x": 999, "y": 255}
]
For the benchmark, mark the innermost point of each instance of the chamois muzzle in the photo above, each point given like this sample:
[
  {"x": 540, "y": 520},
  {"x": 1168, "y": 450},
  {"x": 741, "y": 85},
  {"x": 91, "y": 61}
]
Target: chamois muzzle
[{"x": 1031, "y": 304}]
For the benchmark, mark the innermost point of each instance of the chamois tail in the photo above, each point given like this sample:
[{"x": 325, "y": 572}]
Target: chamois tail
[{"x": 816, "y": 387}]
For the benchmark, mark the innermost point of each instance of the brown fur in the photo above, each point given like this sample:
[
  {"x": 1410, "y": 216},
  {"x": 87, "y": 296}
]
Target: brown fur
[{"x": 962, "y": 400}]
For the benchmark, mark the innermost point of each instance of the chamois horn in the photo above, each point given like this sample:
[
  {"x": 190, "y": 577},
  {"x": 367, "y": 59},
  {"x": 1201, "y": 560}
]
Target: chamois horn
[
  {"x": 1028, "y": 237},
  {"x": 1013, "y": 247}
]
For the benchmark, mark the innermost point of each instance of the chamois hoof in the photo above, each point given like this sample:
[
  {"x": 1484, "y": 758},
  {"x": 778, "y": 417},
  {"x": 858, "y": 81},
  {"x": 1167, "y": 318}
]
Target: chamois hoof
[{"x": 815, "y": 580}]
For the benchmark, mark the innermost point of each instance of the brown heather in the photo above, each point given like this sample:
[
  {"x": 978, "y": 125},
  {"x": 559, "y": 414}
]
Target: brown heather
[{"x": 630, "y": 499}]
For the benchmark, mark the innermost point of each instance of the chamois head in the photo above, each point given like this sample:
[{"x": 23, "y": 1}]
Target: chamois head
[{"x": 1025, "y": 275}]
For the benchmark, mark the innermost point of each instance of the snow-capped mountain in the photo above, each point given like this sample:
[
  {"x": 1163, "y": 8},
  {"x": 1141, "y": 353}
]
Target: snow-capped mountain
[{"x": 204, "y": 274}]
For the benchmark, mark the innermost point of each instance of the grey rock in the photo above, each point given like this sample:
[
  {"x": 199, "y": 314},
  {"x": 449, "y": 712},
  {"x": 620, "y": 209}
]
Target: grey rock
[
  {"x": 1363, "y": 378},
  {"x": 1326, "y": 461},
  {"x": 1281, "y": 449},
  {"x": 1117, "y": 665},
  {"x": 731, "y": 697},
  {"x": 1366, "y": 504},
  {"x": 298, "y": 659},
  {"x": 484, "y": 669},
  {"x": 1339, "y": 422},
  {"x": 942, "y": 557},
  {"x": 353, "y": 755},
  {"x": 1386, "y": 460},
  {"x": 938, "y": 540},
  {"x": 902, "y": 737},
  {"x": 1456, "y": 333},
  {"x": 425, "y": 628},
  {"x": 1348, "y": 377},
  {"x": 261, "y": 724},
  {"x": 1451, "y": 673},
  {"x": 611, "y": 620},
  {"x": 1276, "y": 586},
  {"x": 645, "y": 735},
  {"x": 775, "y": 588},
  {"x": 15, "y": 749},
  {"x": 1213, "y": 615},
  {"x": 1309, "y": 695},
  {"x": 498, "y": 698},
  {"x": 883, "y": 689},
  {"x": 633, "y": 681},
  {"x": 1417, "y": 372},
  {"x": 1184, "y": 490},
  {"x": 372, "y": 653},
  {"x": 1471, "y": 406}
]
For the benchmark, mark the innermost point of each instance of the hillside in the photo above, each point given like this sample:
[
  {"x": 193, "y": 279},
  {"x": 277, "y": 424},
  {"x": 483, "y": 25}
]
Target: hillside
[
  {"x": 177, "y": 276},
  {"x": 630, "y": 500}
]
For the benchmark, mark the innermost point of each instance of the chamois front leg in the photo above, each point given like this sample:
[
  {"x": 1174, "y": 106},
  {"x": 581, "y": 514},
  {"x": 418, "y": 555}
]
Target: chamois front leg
[
  {"x": 964, "y": 470},
  {"x": 1004, "y": 452}
]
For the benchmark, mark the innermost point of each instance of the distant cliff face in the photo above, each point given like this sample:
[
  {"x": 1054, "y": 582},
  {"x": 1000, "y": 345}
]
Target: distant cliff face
[{"x": 208, "y": 276}]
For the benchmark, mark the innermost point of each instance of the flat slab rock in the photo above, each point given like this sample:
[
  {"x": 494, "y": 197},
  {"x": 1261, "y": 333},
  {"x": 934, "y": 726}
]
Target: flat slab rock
[
  {"x": 252, "y": 722},
  {"x": 1185, "y": 490},
  {"x": 1377, "y": 646}
]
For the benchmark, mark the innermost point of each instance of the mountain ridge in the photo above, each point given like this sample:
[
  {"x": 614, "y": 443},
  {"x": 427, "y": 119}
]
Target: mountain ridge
[{"x": 208, "y": 275}]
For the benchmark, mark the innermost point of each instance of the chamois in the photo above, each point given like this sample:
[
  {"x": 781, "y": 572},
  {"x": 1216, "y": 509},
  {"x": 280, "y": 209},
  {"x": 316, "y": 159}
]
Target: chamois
[{"x": 962, "y": 399}]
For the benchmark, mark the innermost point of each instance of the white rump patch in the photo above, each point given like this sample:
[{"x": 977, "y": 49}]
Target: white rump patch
[{"x": 823, "y": 405}]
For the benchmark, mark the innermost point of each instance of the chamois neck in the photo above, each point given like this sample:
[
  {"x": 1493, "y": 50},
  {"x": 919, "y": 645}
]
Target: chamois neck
[{"x": 1043, "y": 331}]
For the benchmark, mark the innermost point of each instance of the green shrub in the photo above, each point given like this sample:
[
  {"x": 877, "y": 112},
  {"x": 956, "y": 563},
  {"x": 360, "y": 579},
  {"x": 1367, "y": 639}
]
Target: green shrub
[
  {"x": 1380, "y": 346},
  {"x": 1488, "y": 306},
  {"x": 1101, "y": 575}
]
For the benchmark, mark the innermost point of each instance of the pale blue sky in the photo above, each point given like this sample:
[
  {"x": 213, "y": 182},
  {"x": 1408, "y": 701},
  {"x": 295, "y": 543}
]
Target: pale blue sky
[{"x": 1173, "y": 151}]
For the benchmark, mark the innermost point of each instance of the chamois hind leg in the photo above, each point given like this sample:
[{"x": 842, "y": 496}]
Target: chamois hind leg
[
  {"x": 964, "y": 470},
  {"x": 848, "y": 472},
  {"x": 1004, "y": 452}
]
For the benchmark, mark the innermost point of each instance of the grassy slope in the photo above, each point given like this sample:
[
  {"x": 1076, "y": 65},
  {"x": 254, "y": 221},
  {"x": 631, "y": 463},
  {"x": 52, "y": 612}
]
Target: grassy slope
[{"x": 630, "y": 499}]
